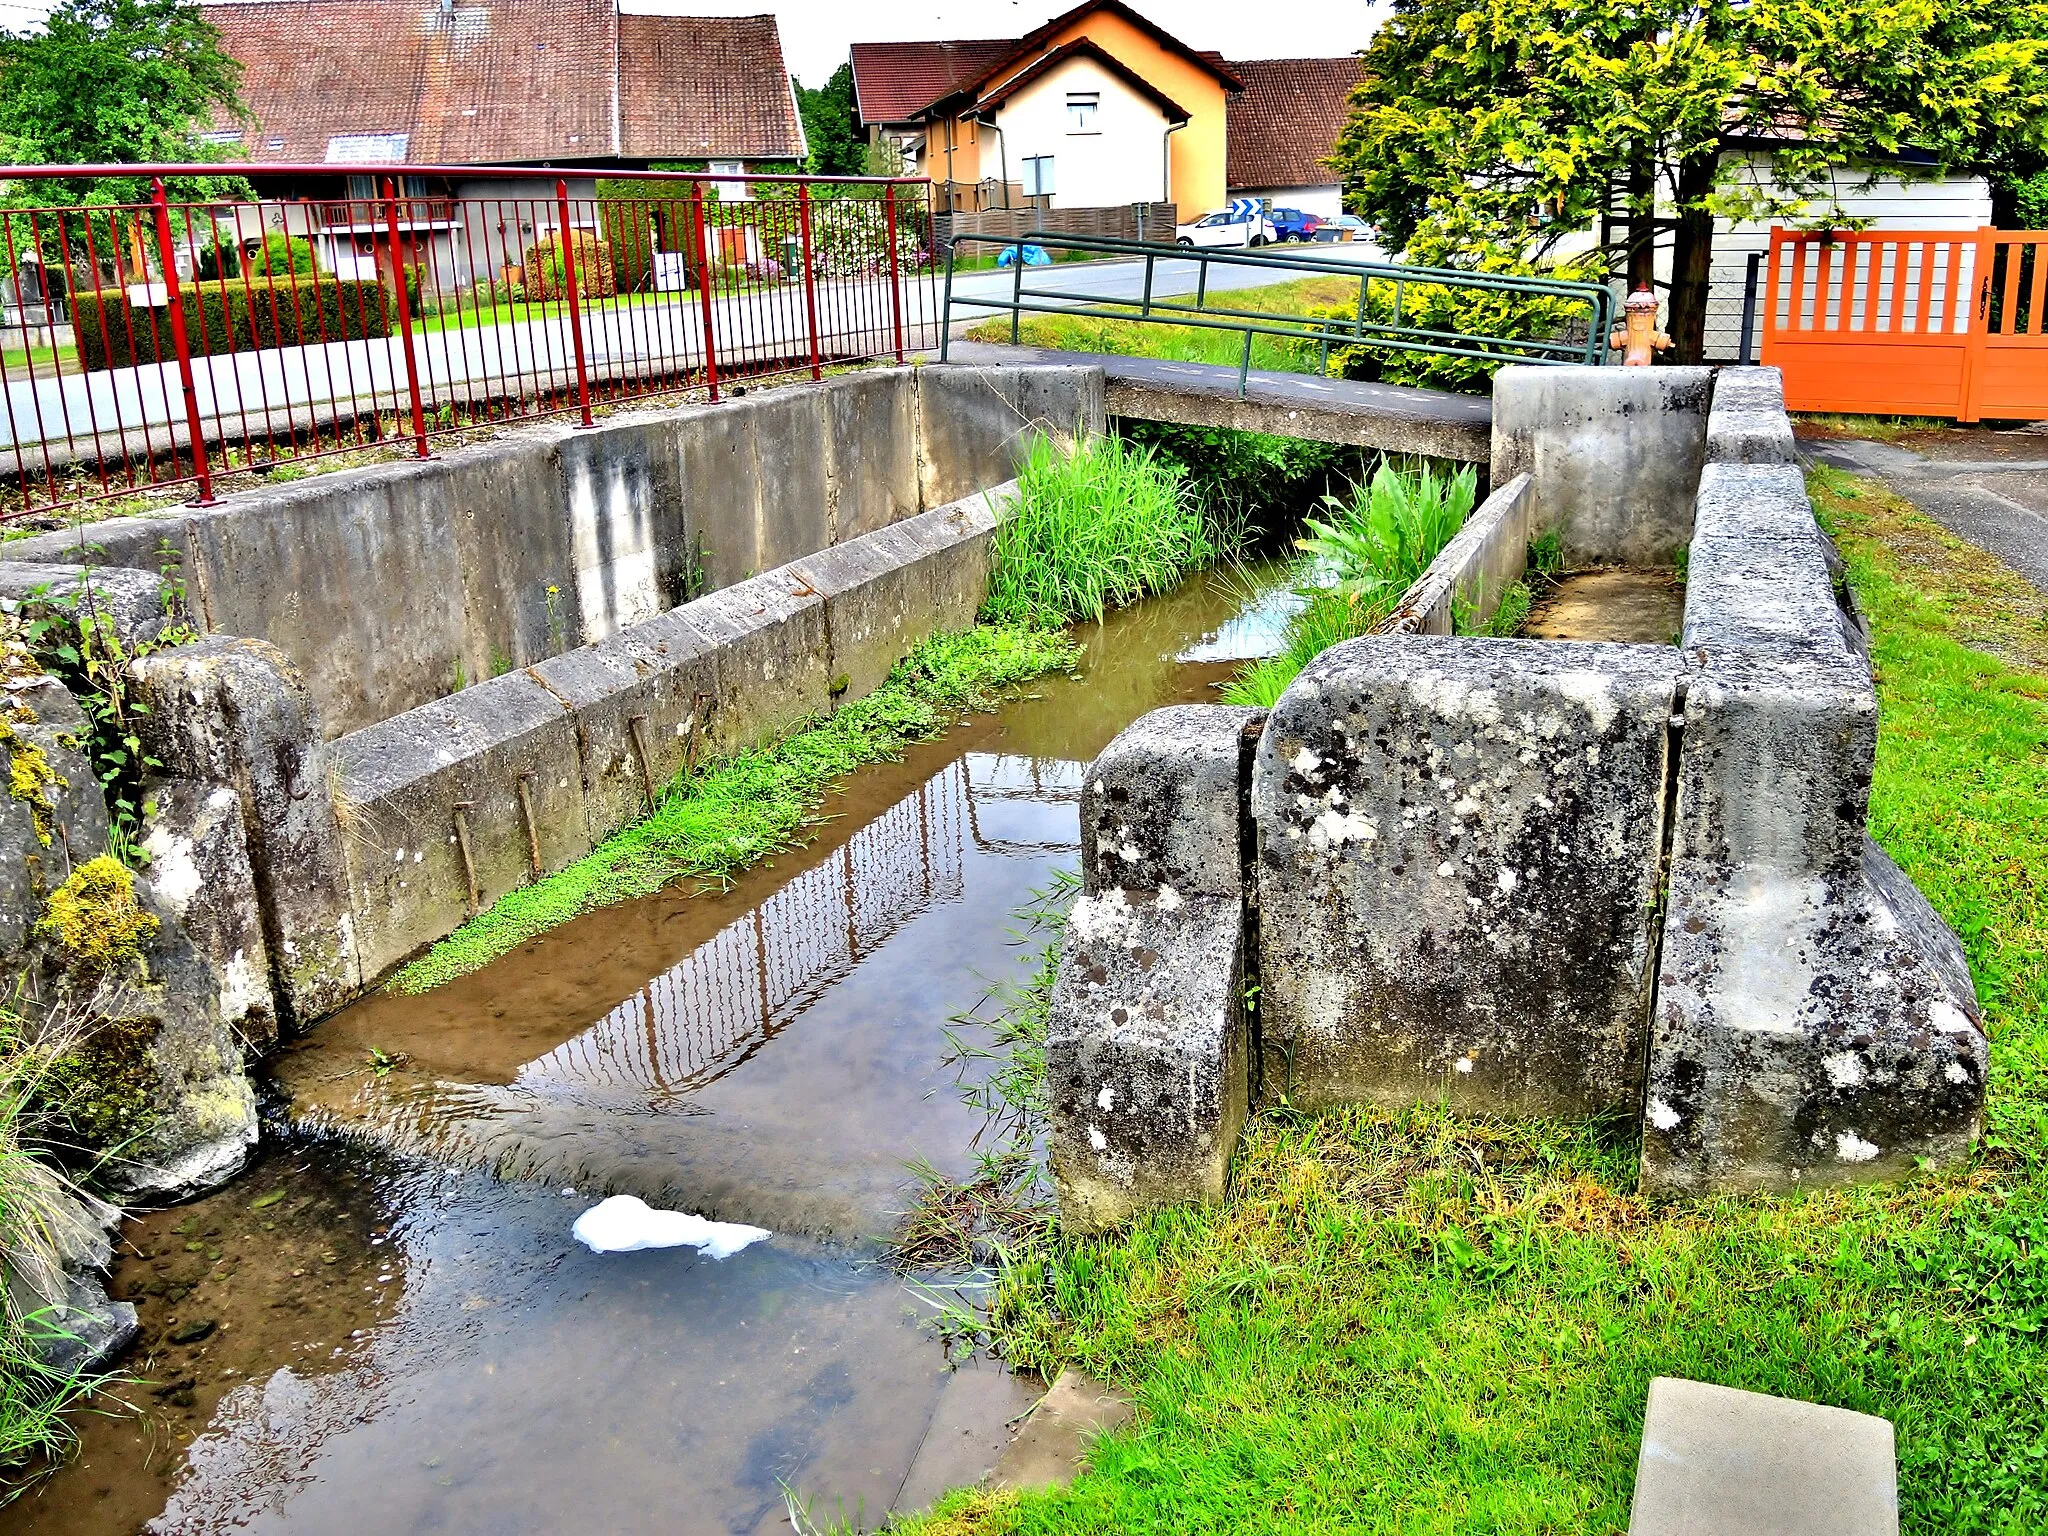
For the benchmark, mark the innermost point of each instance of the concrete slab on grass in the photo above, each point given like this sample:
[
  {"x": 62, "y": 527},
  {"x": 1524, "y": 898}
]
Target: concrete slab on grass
[
  {"x": 1721, "y": 1462},
  {"x": 1053, "y": 1443}
]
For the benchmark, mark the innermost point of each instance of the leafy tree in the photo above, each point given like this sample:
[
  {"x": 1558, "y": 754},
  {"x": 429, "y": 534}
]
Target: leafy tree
[
  {"x": 836, "y": 147},
  {"x": 1493, "y": 129}
]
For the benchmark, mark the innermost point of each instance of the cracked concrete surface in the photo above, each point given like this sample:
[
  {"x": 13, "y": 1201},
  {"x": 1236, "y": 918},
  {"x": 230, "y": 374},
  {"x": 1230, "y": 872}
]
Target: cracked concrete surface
[{"x": 1988, "y": 487}]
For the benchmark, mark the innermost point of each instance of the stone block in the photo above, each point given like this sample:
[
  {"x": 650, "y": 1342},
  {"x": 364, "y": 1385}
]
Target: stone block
[
  {"x": 1748, "y": 424},
  {"x": 628, "y": 521},
  {"x": 873, "y": 423},
  {"x": 774, "y": 661},
  {"x": 1466, "y": 580},
  {"x": 1162, "y": 806},
  {"x": 1147, "y": 1061},
  {"x": 403, "y": 781},
  {"x": 721, "y": 481},
  {"x": 139, "y": 605},
  {"x": 793, "y": 446},
  {"x": 1615, "y": 452},
  {"x": 1052, "y": 1444},
  {"x": 1759, "y": 575},
  {"x": 1717, "y": 1461},
  {"x": 199, "y": 869},
  {"x": 59, "y": 823},
  {"x": 225, "y": 711},
  {"x": 1458, "y": 855},
  {"x": 664, "y": 672}
]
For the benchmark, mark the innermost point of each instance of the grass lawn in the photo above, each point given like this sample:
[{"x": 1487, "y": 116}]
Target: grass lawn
[
  {"x": 1418, "y": 1323},
  {"x": 1186, "y": 343}
]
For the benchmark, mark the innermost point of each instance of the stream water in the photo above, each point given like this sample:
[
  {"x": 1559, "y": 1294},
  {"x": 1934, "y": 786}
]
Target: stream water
[{"x": 384, "y": 1325}]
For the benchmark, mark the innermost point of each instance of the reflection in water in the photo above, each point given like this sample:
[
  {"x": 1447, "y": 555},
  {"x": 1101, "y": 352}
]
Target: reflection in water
[{"x": 706, "y": 1015}]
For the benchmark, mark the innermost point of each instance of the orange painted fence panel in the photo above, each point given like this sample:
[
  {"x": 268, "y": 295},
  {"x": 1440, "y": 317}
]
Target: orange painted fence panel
[{"x": 1910, "y": 322}]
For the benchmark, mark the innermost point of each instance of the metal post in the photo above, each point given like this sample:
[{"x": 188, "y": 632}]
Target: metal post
[
  {"x": 1202, "y": 282},
  {"x": 1145, "y": 304},
  {"x": 803, "y": 224},
  {"x": 412, "y": 372},
  {"x": 704, "y": 285},
  {"x": 1244, "y": 367},
  {"x": 946, "y": 309},
  {"x": 1016, "y": 292},
  {"x": 575, "y": 309},
  {"x": 1749, "y": 284},
  {"x": 895, "y": 272},
  {"x": 179, "y": 343}
]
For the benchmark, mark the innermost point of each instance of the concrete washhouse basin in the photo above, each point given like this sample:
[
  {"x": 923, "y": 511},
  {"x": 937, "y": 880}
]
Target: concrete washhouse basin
[{"x": 1533, "y": 877}]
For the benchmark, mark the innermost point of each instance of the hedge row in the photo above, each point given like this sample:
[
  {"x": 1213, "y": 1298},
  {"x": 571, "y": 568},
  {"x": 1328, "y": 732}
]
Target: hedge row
[{"x": 112, "y": 334}]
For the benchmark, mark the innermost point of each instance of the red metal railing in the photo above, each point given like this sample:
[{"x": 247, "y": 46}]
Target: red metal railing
[{"x": 171, "y": 342}]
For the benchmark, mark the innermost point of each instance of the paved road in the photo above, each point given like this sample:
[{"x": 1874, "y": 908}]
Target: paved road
[
  {"x": 1988, "y": 487},
  {"x": 87, "y": 415}
]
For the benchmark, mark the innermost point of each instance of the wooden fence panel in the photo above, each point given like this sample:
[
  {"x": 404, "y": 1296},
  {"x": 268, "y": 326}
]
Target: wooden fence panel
[{"x": 1910, "y": 322}]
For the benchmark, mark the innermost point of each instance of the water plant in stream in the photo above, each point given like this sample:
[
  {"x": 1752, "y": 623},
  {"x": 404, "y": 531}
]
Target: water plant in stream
[
  {"x": 1363, "y": 554},
  {"x": 717, "y": 821},
  {"x": 1097, "y": 522}
]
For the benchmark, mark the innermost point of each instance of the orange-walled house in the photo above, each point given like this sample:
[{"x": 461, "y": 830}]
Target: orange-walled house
[{"x": 1098, "y": 107}]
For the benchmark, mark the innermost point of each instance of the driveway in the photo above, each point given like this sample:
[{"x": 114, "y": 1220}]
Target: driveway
[{"x": 1988, "y": 487}]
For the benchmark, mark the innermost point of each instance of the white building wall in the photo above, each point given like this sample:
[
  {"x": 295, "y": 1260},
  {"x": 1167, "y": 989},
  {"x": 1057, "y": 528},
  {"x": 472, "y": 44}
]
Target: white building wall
[
  {"x": 1325, "y": 202},
  {"x": 1122, "y": 161},
  {"x": 1950, "y": 203}
]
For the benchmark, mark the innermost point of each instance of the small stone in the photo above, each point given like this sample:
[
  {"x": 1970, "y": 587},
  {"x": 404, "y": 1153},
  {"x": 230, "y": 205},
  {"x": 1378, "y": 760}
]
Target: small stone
[{"x": 193, "y": 1332}]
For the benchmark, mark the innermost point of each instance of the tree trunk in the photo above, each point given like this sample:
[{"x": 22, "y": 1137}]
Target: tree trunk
[
  {"x": 1692, "y": 258},
  {"x": 1642, "y": 217}
]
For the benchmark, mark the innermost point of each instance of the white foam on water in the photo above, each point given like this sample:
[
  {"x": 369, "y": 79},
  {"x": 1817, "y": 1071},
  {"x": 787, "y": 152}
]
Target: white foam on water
[{"x": 626, "y": 1224}]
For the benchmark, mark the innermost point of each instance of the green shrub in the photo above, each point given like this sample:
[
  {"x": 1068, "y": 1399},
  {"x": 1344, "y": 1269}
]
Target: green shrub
[
  {"x": 1253, "y": 479},
  {"x": 1098, "y": 522},
  {"x": 281, "y": 255},
  {"x": 223, "y": 316}
]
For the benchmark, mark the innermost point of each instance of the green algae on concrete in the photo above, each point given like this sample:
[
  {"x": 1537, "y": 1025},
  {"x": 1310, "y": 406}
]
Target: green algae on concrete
[{"x": 743, "y": 807}]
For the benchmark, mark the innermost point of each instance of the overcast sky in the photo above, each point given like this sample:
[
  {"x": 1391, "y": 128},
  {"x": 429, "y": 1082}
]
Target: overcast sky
[{"x": 815, "y": 33}]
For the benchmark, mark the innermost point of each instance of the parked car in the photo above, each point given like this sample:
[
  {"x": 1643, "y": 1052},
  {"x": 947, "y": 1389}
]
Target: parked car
[
  {"x": 1238, "y": 224},
  {"x": 1293, "y": 224},
  {"x": 1346, "y": 226}
]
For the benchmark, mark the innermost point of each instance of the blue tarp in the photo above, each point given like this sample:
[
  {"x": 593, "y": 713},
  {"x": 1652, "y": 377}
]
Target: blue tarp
[{"x": 1034, "y": 256}]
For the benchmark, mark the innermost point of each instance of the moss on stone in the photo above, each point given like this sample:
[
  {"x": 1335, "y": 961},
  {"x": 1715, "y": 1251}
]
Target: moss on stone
[
  {"x": 95, "y": 919},
  {"x": 30, "y": 778},
  {"x": 104, "y": 1087}
]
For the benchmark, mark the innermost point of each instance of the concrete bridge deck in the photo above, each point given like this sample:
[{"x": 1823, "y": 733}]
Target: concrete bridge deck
[{"x": 1395, "y": 418}]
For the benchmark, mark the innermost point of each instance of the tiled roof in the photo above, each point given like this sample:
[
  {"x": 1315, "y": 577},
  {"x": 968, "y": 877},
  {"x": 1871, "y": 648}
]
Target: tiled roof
[
  {"x": 893, "y": 82},
  {"x": 1082, "y": 48},
  {"x": 1285, "y": 121},
  {"x": 483, "y": 82},
  {"x": 696, "y": 86}
]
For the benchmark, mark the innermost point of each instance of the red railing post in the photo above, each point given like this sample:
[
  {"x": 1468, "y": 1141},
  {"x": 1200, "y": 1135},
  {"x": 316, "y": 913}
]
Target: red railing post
[
  {"x": 895, "y": 272},
  {"x": 412, "y": 372},
  {"x": 704, "y": 284},
  {"x": 803, "y": 224},
  {"x": 575, "y": 311},
  {"x": 179, "y": 343}
]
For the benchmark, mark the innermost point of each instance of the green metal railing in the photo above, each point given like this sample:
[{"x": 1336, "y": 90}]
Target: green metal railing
[{"x": 1588, "y": 308}]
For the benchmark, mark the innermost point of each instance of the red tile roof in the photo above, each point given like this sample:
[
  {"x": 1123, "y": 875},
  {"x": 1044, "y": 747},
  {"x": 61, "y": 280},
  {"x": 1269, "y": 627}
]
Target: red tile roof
[
  {"x": 1082, "y": 48},
  {"x": 503, "y": 81},
  {"x": 893, "y": 82},
  {"x": 1285, "y": 121},
  {"x": 696, "y": 86}
]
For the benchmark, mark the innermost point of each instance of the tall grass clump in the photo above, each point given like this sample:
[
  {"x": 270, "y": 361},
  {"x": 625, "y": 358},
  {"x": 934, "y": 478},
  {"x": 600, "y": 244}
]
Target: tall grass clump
[
  {"x": 1098, "y": 522},
  {"x": 1362, "y": 555}
]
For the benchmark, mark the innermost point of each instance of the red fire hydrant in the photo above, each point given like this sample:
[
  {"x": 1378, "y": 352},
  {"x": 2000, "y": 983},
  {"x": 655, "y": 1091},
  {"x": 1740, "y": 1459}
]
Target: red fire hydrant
[{"x": 1638, "y": 332}]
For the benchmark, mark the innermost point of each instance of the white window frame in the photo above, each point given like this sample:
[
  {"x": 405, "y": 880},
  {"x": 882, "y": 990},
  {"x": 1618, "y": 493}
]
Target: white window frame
[
  {"x": 1083, "y": 107},
  {"x": 734, "y": 189}
]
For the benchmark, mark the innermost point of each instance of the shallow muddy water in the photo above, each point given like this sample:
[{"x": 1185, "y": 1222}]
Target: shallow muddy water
[{"x": 402, "y": 1341}]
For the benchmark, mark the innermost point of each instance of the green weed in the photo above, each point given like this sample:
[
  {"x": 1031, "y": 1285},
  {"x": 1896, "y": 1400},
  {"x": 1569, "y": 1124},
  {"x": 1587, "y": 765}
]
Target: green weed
[
  {"x": 740, "y": 808},
  {"x": 1098, "y": 522}
]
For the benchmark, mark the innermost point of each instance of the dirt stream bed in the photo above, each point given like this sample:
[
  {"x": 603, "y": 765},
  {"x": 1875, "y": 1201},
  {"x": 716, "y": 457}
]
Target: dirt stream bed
[{"x": 384, "y": 1325}]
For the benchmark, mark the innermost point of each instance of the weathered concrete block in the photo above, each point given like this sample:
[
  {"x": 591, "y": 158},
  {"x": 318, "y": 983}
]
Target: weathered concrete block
[
  {"x": 235, "y": 712},
  {"x": 663, "y": 673},
  {"x": 1146, "y": 1055},
  {"x": 1466, "y": 580},
  {"x": 139, "y": 605},
  {"x": 722, "y": 480},
  {"x": 873, "y": 422},
  {"x": 1748, "y": 424},
  {"x": 975, "y": 423},
  {"x": 199, "y": 869},
  {"x": 793, "y": 445},
  {"x": 1759, "y": 576},
  {"x": 1162, "y": 806},
  {"x": 1615, "y": 452},
  {"x": 54, "y": 816},
  {"x": 1457, "y": 873},
  {"x": 1721, "y": 1462},
  {"x": 774, "y": 661},
  {"x": 404, "y": 781}
]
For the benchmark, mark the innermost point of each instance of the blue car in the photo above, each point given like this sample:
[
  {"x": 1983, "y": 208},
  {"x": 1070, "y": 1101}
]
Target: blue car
[{"x": 1293, "y": 224}]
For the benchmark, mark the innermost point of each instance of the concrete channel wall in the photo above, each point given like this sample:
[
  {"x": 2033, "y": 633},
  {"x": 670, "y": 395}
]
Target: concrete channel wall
[
  {"x": 1534, "y": 877},
  {"x": 619, "y": 604},
  {"x": 396, "y": 585}
]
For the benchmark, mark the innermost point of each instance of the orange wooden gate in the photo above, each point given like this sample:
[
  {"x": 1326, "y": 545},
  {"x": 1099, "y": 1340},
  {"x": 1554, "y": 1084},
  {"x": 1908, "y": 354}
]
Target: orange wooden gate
[{"x": 1910, "y": 322}]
